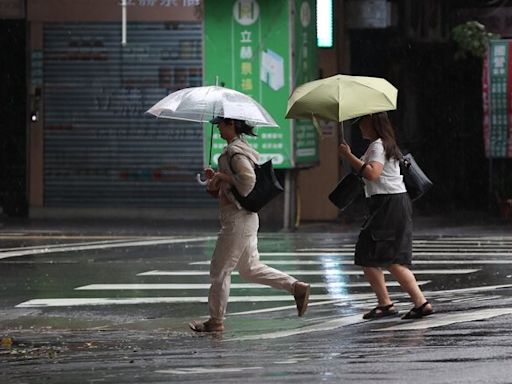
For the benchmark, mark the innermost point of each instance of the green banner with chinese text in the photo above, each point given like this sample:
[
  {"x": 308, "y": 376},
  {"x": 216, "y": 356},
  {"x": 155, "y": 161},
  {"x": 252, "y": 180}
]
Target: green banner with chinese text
[{"x": 248, "y": 46}]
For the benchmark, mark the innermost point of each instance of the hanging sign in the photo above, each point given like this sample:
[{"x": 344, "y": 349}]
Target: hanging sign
[{"x": 497, "y": 103}]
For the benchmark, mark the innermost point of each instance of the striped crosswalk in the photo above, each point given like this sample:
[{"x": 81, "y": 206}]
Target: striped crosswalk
[{"x": 446, "y": 268}]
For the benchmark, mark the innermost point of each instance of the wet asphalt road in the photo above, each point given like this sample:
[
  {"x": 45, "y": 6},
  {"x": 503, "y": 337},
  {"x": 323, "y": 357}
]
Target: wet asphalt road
[{"x": 98, "y": 305}]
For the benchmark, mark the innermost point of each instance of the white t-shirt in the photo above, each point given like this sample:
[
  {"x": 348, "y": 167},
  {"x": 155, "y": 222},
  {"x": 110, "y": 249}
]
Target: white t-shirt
[{"x": 390, "y": 180}]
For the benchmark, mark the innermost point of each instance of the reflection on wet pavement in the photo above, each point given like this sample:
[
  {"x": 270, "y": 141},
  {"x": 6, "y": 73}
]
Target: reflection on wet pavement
[{"x": 76, "y": 300}]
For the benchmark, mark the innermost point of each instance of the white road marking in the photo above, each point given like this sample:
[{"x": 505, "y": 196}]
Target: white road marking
[
  {"x": 306, "y": 254},
  {"x": 322, "y": 272},
  {"x": 62, "y": 245},
  {"x": 65, "y": 302},
  {"x": 200, "y": 371},
  {"x": 101, "y": 245},
  {"x": 435, "y": 320},
  {"x": 462, "y": 254},
  {"x": 73, "y": 302},
  {"x": 321, "y": 327},
  {"x": 351, "y": 262},
  {"x": 484, "y": 288},
  {"x": 106, "y": 287},
  {"x": 286, "y": 307},
  {"x": 440, "y": 252},
  {"x": 415, "y": 247},
  {"x": 443, "y": 319}
]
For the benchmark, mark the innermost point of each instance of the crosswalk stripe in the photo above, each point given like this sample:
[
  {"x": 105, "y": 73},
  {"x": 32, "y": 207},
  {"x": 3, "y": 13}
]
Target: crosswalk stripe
[
  {"x": 72, "y": 302},
  {"x": 440, "y": 320},
  {"x": 436, "y": 320},
  {"x": 349, "y": 248},
  {"x": 443, "y": 253},
  {"x": 108, "y": 245},
  {"x": 48, "y": 247},
  {"x": 351, "y": 262},
  {"x": 117, "y": 243},
  {"x": 203, "y": 371},
  {"x": 283, "y": 308},
  {"x": 313, "y": 273},
  {"x": 438, "y": 295},
  {"x": 319, "y": 327},
  {"x": 106, "y": 287}
]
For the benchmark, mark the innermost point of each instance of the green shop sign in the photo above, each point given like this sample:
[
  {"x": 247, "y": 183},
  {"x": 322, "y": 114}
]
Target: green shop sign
[{"x": 264, "y": 49}]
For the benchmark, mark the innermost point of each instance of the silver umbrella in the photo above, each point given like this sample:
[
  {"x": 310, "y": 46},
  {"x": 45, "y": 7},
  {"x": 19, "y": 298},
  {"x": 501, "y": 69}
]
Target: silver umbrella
[{"x": 201, "y": 104}]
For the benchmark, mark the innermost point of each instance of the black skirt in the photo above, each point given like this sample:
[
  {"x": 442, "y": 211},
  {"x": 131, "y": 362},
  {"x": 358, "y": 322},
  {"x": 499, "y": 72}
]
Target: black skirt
[{"x": 386, "y": 235}]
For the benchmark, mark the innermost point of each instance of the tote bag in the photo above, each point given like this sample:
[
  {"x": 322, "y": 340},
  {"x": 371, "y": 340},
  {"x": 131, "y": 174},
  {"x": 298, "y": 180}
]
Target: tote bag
[
  {"x": 347, "y": 191},
  {"x": 266, "y": 188},
  {"x": 415, "y": 180}
]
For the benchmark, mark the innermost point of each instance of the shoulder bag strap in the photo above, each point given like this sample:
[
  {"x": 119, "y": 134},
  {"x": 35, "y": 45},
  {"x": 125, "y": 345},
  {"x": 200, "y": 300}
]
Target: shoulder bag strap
[{"x": 238, "y": 154}]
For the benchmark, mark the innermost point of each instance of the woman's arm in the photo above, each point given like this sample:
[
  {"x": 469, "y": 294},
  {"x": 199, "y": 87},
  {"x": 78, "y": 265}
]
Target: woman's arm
[
  {"x": 243, "y": 178},
  {"x": 372, "y": 170}
]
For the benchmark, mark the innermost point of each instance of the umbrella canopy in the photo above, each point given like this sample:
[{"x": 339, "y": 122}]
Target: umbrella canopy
[
  {"x": 341, "y": 97},
  {"x": 202, "y": 104}
]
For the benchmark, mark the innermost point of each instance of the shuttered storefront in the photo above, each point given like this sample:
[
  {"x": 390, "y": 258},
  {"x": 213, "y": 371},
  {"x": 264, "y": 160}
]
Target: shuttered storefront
[{"x": 100, "y": 148}]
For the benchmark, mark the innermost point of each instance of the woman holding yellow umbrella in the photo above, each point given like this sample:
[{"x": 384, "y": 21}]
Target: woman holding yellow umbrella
[{"x": 385, "y": 240}]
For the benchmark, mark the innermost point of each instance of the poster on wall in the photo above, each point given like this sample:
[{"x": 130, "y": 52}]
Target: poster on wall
[
  {"x": 497, "y": 107},
  {"x": 248, "y": 45}
]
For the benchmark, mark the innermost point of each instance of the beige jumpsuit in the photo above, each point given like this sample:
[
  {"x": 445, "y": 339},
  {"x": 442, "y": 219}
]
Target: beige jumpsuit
[{"x": 237, "y": 242}]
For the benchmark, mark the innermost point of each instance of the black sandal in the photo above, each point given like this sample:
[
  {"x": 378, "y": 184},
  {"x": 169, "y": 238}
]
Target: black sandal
[
  {"x": 419, "y": 312},
  {"x": 381, "y": 311}
]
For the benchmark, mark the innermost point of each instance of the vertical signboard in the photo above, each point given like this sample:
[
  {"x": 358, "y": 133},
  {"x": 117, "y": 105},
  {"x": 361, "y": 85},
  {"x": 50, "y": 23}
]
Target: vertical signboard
[
  {"x": 248, "y": 47},
  {"x": 497, "y": 86},
  {"x": 306, "y": 137}
]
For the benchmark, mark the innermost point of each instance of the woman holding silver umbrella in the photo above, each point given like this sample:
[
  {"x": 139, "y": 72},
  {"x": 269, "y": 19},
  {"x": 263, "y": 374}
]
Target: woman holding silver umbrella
[
  {"x": 236, "y": 245},
  {"x": 385, "y": 240}
]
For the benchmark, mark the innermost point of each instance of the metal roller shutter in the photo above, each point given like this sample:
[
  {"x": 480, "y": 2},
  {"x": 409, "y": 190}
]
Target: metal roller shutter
[{"x": 100, "y": 148}]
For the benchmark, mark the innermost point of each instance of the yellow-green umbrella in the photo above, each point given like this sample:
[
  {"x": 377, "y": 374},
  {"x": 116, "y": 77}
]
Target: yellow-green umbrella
[{"x": 341, "y": 97}]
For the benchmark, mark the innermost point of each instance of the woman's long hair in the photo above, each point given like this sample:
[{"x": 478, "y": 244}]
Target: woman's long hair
[
  {"x": 241, "y": 127},
  {"x": 385, "y": 131}
]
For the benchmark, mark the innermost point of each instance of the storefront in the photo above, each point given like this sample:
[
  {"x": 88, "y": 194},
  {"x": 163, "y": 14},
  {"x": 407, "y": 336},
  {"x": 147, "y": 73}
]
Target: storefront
[{"x": 91, "y": 144}]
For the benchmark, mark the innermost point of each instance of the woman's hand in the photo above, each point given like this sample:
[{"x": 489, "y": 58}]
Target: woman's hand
[
  {"x": 208, "y": 173},
  {"x": 344, "y": 150},
  {"x": 219, "y": 177}
]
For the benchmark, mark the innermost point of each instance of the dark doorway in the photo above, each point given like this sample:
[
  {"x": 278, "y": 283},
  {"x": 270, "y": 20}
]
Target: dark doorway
[
  {"x": 439, "y": 115},
  {"x": 13, "y": 153}
]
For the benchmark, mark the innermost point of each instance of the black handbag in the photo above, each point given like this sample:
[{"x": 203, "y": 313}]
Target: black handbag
[
  {"x": 265, "y": 189},
  {"x": 415, "y": 180},
  {"x": 348, "y": 190}
]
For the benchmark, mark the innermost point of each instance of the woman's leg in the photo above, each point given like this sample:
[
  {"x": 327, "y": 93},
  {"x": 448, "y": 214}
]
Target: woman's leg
[
  {"x": 250, "y": 266},
  {"x": 375, "y": 277},
  {"x": 252, "y": 269},
  {"x": 223, "y": 263},
  {"x": 228, "y": 249},
  {"x": 408, "y": 283}
]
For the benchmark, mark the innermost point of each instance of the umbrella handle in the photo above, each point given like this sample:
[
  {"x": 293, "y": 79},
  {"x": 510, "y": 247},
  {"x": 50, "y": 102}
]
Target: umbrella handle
[
  {"x": 198, "y": 179},
  {"x": 342, "y": 132}
]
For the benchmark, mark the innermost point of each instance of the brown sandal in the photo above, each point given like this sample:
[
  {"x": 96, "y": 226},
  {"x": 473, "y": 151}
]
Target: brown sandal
[
  {"x": 206, "y": 326},
  {"x": 301, "y": 295}
]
